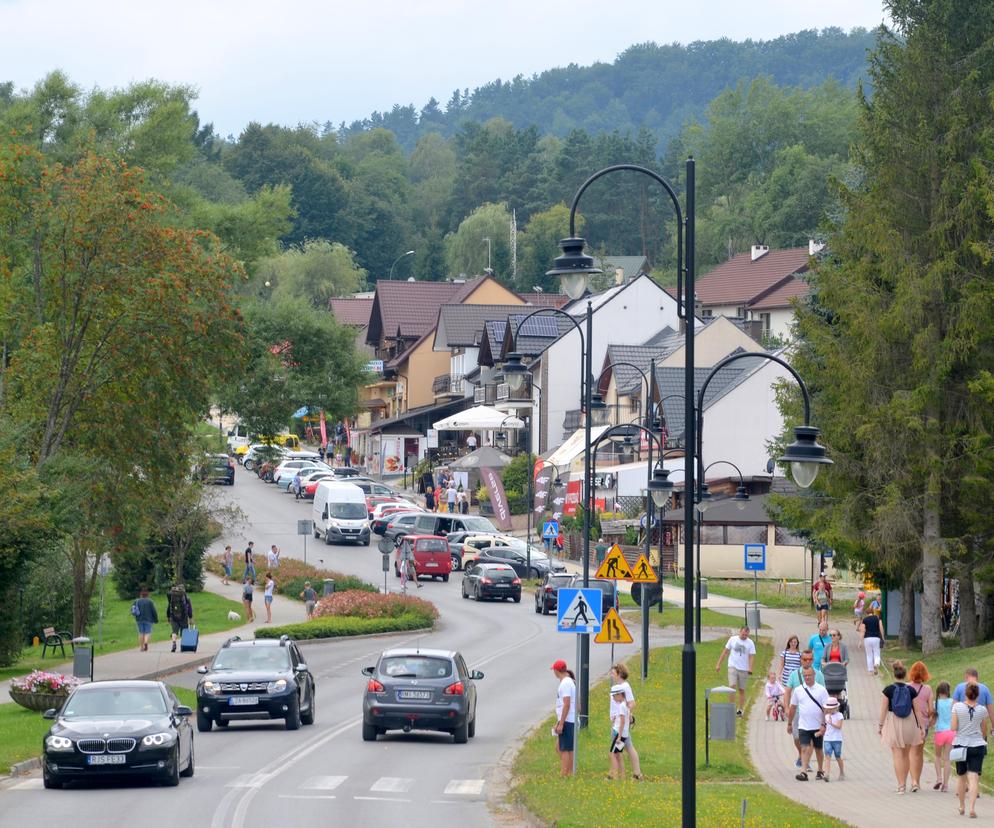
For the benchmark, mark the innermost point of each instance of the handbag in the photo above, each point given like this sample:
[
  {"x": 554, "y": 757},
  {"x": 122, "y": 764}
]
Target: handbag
[{"x": 957, "y": 754}]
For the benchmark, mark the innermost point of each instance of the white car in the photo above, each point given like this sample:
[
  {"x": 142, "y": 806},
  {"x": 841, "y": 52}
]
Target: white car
[
  {"x": 284, "y": 473},
  {"x": 306, "y": 476},
  {"x": 397, "y": 506},
  {"x": 259, "y": 450}
]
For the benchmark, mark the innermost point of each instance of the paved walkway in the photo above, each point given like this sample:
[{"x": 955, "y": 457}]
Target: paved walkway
[{"x": 159, "y": 661}]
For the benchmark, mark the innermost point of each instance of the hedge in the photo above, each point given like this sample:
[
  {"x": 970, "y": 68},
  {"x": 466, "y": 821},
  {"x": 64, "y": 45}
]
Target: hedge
[{"x": 343, "y": 625}]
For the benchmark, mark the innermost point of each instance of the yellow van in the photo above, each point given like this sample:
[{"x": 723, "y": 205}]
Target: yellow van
[{"x": 287, "y": 441}]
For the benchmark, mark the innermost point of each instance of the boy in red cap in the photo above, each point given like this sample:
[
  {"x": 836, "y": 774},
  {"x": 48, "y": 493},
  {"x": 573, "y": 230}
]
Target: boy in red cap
[{"x": 565, "y": 715}]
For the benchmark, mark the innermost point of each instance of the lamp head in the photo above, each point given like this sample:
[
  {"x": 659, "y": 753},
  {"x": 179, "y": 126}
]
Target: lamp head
[
  {"x": 741, "y": 497},
  {"x": 660, "y": 487},
  {"x": 703, "y": 498},
  {"x": 514, "y": 371},
  {"x": 805, "y": 456},
  {"x": 573, "y": 267},
  {"x": 598, "y": 409}
]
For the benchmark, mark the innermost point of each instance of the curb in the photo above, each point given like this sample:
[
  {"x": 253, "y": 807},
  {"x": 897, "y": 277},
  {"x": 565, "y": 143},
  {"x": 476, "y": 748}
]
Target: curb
[
  {"x": 25, "y": 767},
  {"x": 498, "y": 799}
]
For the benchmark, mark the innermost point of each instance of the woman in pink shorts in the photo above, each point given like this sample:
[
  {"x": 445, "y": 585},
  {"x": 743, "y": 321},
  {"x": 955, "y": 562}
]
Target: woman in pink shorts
[{"x": 944, "y": 735}]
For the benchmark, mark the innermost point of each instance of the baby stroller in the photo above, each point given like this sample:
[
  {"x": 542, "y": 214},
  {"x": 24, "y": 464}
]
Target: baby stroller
[
  {"x": 779, "y": 712},
  {"x": 836, "y": 677}
]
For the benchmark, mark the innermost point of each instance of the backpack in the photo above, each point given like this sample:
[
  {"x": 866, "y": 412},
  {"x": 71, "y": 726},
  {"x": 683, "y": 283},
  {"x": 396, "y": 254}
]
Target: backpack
[
  {"x": 134, "y": 610},
  {"x": 900, "y": 702}
]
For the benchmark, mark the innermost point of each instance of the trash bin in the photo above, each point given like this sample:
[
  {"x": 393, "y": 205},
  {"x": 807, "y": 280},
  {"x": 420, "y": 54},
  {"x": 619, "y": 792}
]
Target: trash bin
[
  {"x": 704, "y": 588},
  {"x": 752, "y": 620},
  {"x": 719, "y": 719},
  {"x": 329, "y": 586},
  {"x": 601, "y": 550},
  {"x": 82, "y": 657},
  {"x": 386, "y": 561}
]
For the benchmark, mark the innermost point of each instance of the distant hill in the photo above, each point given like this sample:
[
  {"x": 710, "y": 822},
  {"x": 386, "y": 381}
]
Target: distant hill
[{"x": 652, "y": 86}]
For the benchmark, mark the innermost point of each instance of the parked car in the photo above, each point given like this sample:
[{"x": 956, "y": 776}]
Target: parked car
[
  {"x": 283, "y": 476},
  {"x": 474, "y": 543},
  {"x": 118, "y": 728},
  {"x": 535, "y": 564},
  {"x": 259, "y": 453},
  {"x": 431, "y": 523},
  {"x": 339, "y": 513},
  {"x": 392, "y": 525},
  {"x": 609, "y": 588},
  {"x": 260, "y": 678},
  {"x": 346, "y": 471},
  {"x": 417, "y": 689},
  {"x": 491, "y": 580},
  {"x": 431, "y": 556},
  {"x": 383, "y": 513},
  {"x": 309, "y": 484},
  {"x": 217, "y": 468},
  {"x": 547, "y": 592}
]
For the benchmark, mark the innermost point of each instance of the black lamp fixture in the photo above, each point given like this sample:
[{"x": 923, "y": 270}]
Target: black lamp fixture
[
  {"x": 573, "y": 267},
  {"x": 703, "y": 498},
  {"x": 741, "y": 497},
  {"x": 514, "y": 371},
  {"x": 805, "y": 456},
  {"x": 660, "y": 487}
]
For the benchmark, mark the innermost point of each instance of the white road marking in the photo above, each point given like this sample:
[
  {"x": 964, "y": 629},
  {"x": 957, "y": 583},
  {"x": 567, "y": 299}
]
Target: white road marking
[
  {"x": 27, "y": 785},
  {"x": 380, "y": 799},
  {"x": 218, "y": 767},
  {"x": 305, "y": 796},
  {"x": 465, "y": 787},
  {"x": 392, "y": 784},
  {"x": 323, "y": 783},
  {"x": 249, "y": 780}
]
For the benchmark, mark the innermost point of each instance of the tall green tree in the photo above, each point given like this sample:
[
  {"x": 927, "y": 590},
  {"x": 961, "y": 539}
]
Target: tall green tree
[
  {"x": 467, "y": 251},
  {"x": 538, "y": 245},
  {"x": 314, "y": 272}
]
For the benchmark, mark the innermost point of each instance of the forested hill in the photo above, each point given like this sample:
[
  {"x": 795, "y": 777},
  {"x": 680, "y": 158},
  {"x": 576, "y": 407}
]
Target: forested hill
[{"x": 651, "y": 86}]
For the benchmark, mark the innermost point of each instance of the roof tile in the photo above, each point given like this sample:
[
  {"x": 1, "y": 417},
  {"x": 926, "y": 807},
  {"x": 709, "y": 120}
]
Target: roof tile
[{"x": 740, "y": 280}]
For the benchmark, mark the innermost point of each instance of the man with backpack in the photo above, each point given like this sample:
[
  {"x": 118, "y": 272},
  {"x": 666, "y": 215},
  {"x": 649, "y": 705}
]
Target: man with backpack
[
  {"x": 179, "y": 613},
  {"x": 145, "y": 615},
  {"x": 808, "y": 701}
]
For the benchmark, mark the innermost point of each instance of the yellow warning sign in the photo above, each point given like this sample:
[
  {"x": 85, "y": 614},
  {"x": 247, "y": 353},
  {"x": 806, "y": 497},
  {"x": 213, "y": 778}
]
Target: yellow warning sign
[
  {"x": 642, "y": 572},
  {"x": 613, "y": 630},
  {"x": 614, "y": 566}
]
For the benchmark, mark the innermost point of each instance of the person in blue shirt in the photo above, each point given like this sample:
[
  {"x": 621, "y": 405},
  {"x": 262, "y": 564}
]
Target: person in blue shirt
[
  {"x": 971, "y": 676},
  {"x": 819, "y": 641}
]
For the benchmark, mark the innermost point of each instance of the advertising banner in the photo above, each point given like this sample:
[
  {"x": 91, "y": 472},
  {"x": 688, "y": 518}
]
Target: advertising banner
[{"x": 498, "y": 498}]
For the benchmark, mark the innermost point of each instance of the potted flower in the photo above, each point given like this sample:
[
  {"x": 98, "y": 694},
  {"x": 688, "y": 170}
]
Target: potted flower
[
  {"x": 42, "y": 691},
  {"x": 483, "y": 500}
]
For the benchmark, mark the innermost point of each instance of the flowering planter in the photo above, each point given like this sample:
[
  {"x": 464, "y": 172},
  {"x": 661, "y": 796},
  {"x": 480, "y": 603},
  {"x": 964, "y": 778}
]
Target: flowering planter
[{"x": 38, "y": 701}]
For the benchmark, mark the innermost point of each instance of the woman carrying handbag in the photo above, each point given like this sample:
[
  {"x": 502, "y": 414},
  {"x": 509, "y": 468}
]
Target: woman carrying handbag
[{"x": 972, "y": 725}]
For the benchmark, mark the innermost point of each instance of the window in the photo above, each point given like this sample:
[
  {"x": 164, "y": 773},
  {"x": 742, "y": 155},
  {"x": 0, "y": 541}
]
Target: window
[
  {"x": 765, "y": 319},
  {"x": 784, "y": 537},
  {"x": 706, "y": 313},
  {"x": 713, "y": 533},
  {"x": 740, "y": 313},
  {"x": 746, "y": 534}
]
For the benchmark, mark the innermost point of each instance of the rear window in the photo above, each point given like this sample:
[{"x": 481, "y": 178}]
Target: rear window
[
  {"x": 432, "y": 545},
  {"x": 415, "y": 666},
  {"x": 496, "y": 568},
  {"x": 607, "y": 587}
]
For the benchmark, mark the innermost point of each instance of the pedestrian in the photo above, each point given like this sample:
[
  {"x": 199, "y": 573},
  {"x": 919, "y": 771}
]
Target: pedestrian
[
  {"x": 619, "y": 678},
  {"x": 773, "y": 693},
  {"x": 439, "y": 501},
  {"x": 971, "y": 676},
  {"x": 179, "y": 611},
  {"x": 268, "y": 596},
  {"x": 972, "y": 723},
  {"x": 832, "y": 743},
  {"x": 565, "y": 716},
  {"x": 924, "y": 711},
  {"x": 297, "y": 484},
  {"x": 228, "y": 561},
  {"x": 873, "y": 639},
  {"x": 795, "y": 680},
  {"x": 249, "y": 561},
  {"x": 430, "y": 498},
  {"x": 450, "y": 496},
  {"x": 145, "y": 615},
  {"x": 273, "y": 557},
  {"x": 819, "y": 641},
  {"x": 944, "y": 735},
  {"x": 471, "y": 442},
  {"x": 247, "y": 597},
  {"x": 408, "y": 568},
  {"x": 741, "y": 652},
  {"x": 321, "y": 451},
  {"x": 310, "y": 598},
  {"x": 899, "y": 727},
  {"x": 619, "y": 731},
  {"x": 857, "y": 608},
  {"x": 463, "y": 502},
  {"x": 809, "y": 705},
  {"x": 821, "y": 594},
  {"x": 790, "y": 659},
  {"x": 836, "y": 650},
  {"x": 875, "y": 605}
]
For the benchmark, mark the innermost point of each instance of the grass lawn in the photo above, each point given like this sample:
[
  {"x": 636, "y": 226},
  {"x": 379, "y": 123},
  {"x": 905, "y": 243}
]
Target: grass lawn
[
  {"x": 23, "y": 730},
  {"x": 949, "y": 664},
  {"x": 590, "y": 799},
  {"x": 775, "y": 594},
  {"x": 119, "y": 631}
]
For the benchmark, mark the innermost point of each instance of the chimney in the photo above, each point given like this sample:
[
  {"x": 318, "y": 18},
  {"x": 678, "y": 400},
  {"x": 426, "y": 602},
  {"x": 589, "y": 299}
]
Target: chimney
[
  {"x": 759, "y": 250},
  {"x": 814, "y": 247},
  {"x": 619, "y": 276}
]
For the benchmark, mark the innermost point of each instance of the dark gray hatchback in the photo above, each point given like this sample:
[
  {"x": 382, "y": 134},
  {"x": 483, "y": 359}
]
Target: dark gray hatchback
[{"x": 416, "y": 689}]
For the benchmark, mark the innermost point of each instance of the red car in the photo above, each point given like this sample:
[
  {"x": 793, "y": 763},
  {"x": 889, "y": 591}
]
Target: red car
[
  {"x": 372, "y": 501},
  {"x": 431, "y": 556}
]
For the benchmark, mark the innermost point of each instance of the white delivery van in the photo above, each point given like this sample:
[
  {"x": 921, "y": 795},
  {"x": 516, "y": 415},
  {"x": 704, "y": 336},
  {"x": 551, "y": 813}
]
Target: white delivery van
[{"x": 340, "y": 513}]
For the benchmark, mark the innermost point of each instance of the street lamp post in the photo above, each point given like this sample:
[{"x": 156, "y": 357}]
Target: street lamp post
[{"x": 401, "y": 256}]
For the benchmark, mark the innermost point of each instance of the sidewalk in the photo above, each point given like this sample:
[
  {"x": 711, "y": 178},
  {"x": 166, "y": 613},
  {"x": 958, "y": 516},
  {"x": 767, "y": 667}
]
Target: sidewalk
[{"x": 158, "y": 661}]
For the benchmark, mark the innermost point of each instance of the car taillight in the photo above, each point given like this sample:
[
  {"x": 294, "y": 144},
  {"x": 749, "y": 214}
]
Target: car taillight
[
  {"x": 516, "y": 581},
  {"x": 455, "y": 689},
  {"x": 374, "y": 686},
  {"x": 485, "y": 581}
]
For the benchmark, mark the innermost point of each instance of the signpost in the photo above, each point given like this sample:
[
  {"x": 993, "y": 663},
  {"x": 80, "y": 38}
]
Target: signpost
[
  {"x": 578, "y": 611},
  {"x": 755, "y": 562},
  {"x": 550, "y": 531},
  {"x": 305, "y": 527}
]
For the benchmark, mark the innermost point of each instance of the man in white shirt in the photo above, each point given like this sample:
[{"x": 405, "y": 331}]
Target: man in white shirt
[
  {"x": 565, "y": 716},
  {"x": 273, "y": 557},
  {"x": 741, "y": 652},
  {"x": 809, "y": 702},
  {"x": 471, "y": 442}
]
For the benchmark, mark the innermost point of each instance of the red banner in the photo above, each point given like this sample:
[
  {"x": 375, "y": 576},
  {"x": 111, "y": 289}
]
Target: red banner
[
  {"x": 498, "y": 498},
  {"x": 324, "y": 431}
]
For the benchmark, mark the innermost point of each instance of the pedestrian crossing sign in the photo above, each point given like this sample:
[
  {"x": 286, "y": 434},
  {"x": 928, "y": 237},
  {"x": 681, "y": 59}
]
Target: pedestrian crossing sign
[
  {"x": 579, "y": 610},
  {"x": 614, "y": 566},
  {"x": 613, "y": 630},
  {"x": 642, "y": 572}
]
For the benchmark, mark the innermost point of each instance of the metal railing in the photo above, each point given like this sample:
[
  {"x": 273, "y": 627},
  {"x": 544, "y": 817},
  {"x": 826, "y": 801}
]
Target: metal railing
[
  {"x": 447, "y": 384},
  {"x": 485, "y": 394}
]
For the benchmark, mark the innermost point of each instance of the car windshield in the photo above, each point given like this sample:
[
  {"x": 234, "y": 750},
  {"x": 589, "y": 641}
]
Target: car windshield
[
  {"x": 479, "y": 524},
  {"x": 415, "y": 666},
  {"x": 251, "y": 658},
  {"x": 537, "y": 554},
  {"x": 432, "y": 546},
  {"x": 115, "y": 701},
  {"x": 347, "y": 511}
]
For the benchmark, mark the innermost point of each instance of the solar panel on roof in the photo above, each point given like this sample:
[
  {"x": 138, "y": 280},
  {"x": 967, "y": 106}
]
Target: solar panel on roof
[{"x": 540, "y": 326}]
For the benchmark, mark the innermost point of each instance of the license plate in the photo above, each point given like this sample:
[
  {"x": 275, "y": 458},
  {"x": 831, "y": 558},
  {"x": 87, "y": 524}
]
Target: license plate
[
  {"x": 414, "y": 694},
  {"x": 431, "y": 564},
  {"x": 501, "y": 586},
  {"x": 237, "y": 701},
  {"x": 106, "y": 759}
]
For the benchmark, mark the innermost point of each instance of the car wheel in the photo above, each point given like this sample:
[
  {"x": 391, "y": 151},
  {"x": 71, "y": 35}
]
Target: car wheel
[
  {"x": 445, "y": 579},
  {"x": 172, "y": 778},
  {"x": 517, "y": 599},
  {"x": 535, "y": 573},
  {"x": 472, "y": 727},
  {"x": 464, "y": 593},
  {"x": 292, "y": 719},
  {"x": 249, "y": 465},
  {"x": 396, "y": 571},
  {"x": 317, "y": 535},
  {"x": 50, "y": 781},
  {"x": 327, "y": 538},
  {"x": 368, "y": 732},
  {"x": 461, "y": 734},
  {"x": 479, "y": 597},
  {"x": 366, "y": 542},
  {"x": 545, "y": 608},
  {"x": 204, "y": 722},
  {"x": 538, "y": 609},
  {"x": 455, "y": 563},
  {"x": 188, "y": 771},
  {"x": 308, "y": 717}
]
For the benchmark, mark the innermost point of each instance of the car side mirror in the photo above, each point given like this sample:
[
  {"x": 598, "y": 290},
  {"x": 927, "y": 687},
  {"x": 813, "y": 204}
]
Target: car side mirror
[
  {"x": 51, "y": 713},
  {"x": 368, "y": 671},
  {"x": 301, "y": 668},
  {"x": 183, "y": 710},
  {"x": 202, "y": 669},
  {"x": 476, "y": 675}
]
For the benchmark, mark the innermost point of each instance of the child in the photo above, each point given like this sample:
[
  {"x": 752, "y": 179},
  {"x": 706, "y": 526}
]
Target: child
[
  {"x": 833, "y": 738},
  {"x": 944, "y": 735},
  {"x": 619, "y": 730},
  {"x": 857, "y": 609},
  {"x": 774, "y": 693}
]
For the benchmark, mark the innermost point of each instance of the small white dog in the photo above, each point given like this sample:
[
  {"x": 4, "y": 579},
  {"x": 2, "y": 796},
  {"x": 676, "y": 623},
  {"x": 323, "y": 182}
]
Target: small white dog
[{"x": 234, "y": 616}]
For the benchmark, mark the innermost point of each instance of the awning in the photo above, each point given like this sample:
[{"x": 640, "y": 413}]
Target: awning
[
  {"x": 572, "y": 447},
  {"x": 480, "y": 417}
]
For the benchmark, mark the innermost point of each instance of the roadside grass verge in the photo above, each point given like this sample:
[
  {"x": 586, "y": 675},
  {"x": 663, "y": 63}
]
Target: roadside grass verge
[
  {"x": 774, "y": 594},
  {"x": 590, "y": 799},
  {"x": 673, "y": 617}
]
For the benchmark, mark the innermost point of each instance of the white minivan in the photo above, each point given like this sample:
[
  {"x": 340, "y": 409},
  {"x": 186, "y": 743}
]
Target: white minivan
[{"x": 340, "y": 513}]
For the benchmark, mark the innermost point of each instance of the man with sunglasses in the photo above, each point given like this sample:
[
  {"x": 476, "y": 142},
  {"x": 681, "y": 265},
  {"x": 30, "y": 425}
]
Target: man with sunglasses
[{"x": 795, "y": 680}]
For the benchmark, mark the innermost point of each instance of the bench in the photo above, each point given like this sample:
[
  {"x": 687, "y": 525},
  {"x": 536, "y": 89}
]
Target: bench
[{"x": 53, "y": 638}]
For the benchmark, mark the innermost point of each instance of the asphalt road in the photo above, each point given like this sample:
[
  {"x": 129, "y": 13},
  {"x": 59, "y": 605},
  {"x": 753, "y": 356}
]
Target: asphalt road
[{"x": 258, "y": 774}]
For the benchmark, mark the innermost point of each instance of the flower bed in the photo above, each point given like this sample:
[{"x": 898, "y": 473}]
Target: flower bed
[
  {"x": 374, "y": 605},
  {"x": 291, "y": 574},
  {"x": 41, "y": 691}
]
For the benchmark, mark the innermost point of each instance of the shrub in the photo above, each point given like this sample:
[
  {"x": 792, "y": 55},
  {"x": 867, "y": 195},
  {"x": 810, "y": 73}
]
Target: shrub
[
  {"x": 357, "y": 604},
  {"x": 335, "y": 626},
  {"x": 292, "y": 573}
]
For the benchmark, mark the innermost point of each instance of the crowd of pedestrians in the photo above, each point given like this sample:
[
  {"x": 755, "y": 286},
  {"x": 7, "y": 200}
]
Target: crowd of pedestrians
[{"x": 446, "y": 495}]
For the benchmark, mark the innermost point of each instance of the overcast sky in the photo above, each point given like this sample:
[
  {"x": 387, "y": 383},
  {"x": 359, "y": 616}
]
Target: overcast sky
[{"x": 290, "y": 62}]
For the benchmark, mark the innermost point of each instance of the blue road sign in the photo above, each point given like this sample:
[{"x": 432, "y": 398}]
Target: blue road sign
[
  {"x": 550, "y": 529},
  {"x": 755, "y": 557},
  {"x": 579, "y": 611}
]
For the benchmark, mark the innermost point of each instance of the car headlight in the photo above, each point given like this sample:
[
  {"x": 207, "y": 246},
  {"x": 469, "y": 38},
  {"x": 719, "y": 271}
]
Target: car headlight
[
  {"x": 158, "y": 739},
  {"x": 210, "y": 688},
  {"x": 277, "y": 686},
  {"x": 58, "y": 743}
]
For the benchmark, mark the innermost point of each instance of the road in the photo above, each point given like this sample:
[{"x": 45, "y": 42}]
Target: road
[{"x": 258, "y": 774}]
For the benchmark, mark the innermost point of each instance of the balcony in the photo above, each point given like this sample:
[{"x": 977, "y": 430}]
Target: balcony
[
  {"x": 485, "y": 394},
  {"x": 523, "y": 395},
  {"x": 573, "y": 420},
  {"x": 447, "y": 385}
]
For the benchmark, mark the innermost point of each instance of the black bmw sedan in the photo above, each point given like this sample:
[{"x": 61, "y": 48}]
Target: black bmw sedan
[{"x": 118, "y": 728}]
